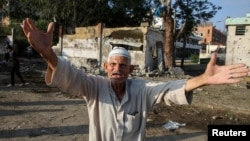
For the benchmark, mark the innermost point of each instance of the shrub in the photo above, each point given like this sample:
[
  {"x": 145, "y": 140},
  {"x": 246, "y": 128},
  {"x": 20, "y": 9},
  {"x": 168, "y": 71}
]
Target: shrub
[{"x": 194, "y": 58}]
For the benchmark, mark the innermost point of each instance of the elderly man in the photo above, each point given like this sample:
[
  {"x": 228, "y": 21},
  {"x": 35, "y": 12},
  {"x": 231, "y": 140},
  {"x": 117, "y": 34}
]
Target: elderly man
[{"x": 118, "y": 106}]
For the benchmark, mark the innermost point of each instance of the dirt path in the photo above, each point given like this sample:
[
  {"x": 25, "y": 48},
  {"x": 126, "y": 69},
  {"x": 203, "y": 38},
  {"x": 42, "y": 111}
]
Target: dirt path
[
  {"x": 50, "y": 116},
  {"x": 37, "y": 112}
]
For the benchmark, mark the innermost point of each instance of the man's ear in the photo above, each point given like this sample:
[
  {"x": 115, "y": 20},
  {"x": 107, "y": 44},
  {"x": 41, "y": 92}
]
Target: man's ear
[
  {"x": 105, "y": 66},
  {"x": 131, "y": 68}
]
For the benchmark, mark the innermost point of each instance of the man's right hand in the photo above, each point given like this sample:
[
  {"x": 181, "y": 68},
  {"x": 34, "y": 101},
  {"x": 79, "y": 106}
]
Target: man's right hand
[{"x": 40, "y": 41}]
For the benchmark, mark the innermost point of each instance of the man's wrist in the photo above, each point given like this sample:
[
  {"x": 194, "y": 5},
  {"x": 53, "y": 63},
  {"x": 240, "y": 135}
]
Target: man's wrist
[{"x": 51, "y": 58}]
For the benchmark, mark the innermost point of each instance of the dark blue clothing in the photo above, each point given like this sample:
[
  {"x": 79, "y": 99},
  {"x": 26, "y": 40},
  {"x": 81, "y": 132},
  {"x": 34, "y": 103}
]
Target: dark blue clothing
[
  {"x": 15, "y": 68},
  {"x": 160, "y": 10}
]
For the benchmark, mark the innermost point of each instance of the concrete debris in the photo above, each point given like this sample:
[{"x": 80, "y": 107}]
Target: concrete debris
[{"x": 173, "y": 125}]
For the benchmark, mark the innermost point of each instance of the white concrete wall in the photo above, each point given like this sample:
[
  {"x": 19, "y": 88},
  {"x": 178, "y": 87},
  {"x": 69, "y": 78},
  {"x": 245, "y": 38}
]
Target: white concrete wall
[
  {"x": 210, "y": 49},
  {"x": 78, "y": 51},
  {"x": 238, "y": 47},
  {"x": 151, "y": 38},
  {"x": 78, "y": 48}
]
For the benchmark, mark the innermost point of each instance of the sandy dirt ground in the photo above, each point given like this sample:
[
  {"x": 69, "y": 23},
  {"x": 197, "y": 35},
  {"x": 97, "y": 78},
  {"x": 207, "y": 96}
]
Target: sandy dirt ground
[{"x": 37, "y": 112}]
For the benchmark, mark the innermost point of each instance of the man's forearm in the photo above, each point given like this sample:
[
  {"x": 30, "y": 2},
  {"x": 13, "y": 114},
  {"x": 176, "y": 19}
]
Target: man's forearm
[
  {"x": 51, "y": 59},
  {"x": 195, "y": 82}
]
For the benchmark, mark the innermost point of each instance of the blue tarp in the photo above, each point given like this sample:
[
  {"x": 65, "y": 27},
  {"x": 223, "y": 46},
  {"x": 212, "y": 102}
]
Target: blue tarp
[{"x": 159, "y": 10}]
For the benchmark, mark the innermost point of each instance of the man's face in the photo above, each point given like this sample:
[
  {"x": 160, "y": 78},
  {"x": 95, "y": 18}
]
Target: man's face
[
  {"x": 9, "y": 50},
  {"x": 118, "y": 69}
]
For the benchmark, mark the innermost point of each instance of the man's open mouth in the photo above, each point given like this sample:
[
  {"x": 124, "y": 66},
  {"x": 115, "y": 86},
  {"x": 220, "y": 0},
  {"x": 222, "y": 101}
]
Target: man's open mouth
[{"x": 117, "y": 75}]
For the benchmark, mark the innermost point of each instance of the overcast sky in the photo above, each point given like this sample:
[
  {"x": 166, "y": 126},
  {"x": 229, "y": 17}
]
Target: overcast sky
[{"x": 232, "y": 8}]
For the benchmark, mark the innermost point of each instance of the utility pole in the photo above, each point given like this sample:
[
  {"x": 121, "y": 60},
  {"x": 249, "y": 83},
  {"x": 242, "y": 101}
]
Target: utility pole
[
  {"x": 61, "y": 37},
  {"x": 100, "y": 28}
]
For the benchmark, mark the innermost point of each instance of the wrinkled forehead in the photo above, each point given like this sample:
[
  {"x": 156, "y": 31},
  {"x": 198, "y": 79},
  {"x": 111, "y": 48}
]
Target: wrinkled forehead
[
  {"x": 119, "y": 59},
  {"x": 119, "y": 51}
]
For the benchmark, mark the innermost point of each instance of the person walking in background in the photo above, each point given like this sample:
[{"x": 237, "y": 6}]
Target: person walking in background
[
  {"x": 15, "y": 66},
  {"x": 6, "y": 54},
  {"x": 29, "y": 52}
]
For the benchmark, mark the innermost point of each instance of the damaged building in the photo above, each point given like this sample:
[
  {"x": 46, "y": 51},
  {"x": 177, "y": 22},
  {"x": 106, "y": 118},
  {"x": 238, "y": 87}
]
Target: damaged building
[
  {"x": 88, "y": 47},
  {"x": 238, "y": 40}
]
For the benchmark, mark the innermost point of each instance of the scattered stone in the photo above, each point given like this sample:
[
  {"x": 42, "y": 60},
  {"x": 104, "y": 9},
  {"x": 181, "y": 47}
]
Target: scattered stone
[{"x": 216, "y": 117}]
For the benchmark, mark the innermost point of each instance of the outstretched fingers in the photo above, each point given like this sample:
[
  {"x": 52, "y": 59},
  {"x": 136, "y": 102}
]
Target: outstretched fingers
[
  {"x": 238, "y": 69},
  {"x": 25, "y": 27},
  {"x": 30, "y": 24},
  {"x": 29, "y": 27},
  {"x": 237, "y": 72},
  {"x": 50, "y": 28},
  {"x": 238, "y": 66}
]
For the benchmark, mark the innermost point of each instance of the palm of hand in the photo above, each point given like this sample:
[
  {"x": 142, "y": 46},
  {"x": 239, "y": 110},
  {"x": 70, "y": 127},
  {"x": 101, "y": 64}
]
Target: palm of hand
[
  {"x": 217, "y": 74},
  {"x": 40, "y": 41}
]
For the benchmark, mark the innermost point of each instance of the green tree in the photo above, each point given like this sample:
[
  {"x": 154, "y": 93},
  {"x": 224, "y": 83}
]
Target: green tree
[
  {"x": 3, "y": 7},
  {"x": 183, "y": 15},
  {"x": 75, "y": 13},
  {"x": 84, "y": 13},
  {"x": 3, "y": 13}
]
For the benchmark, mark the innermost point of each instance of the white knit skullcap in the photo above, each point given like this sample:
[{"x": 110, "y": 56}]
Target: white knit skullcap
[{"x": 119, "y": 51}]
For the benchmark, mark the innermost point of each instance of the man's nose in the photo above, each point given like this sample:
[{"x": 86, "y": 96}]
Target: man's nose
[{"x": 117, "y": 67}]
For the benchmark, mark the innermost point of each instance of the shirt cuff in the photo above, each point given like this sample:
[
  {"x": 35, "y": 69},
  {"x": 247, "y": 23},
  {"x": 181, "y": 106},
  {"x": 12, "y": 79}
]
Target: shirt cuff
[{"x": 51, "y": 77}]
